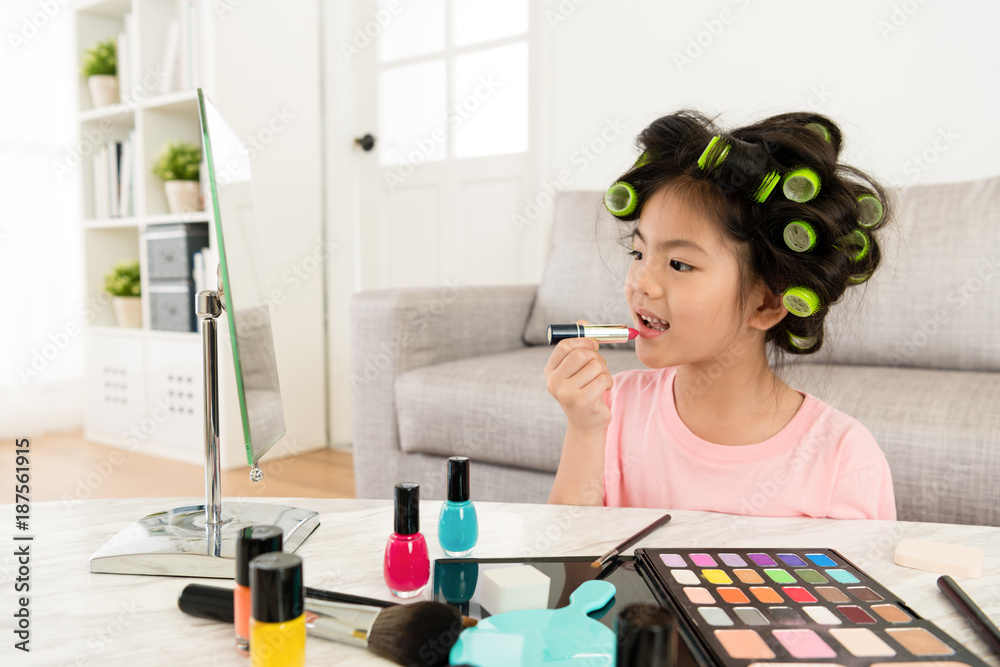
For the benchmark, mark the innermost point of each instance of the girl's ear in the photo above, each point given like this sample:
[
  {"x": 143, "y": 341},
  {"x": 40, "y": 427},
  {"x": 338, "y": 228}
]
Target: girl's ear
[{"x": 767, "y": 309}]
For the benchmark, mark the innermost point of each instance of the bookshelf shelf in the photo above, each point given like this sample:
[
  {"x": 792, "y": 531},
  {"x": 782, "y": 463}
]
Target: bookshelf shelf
[
  {"x": 111, "y": 223},
  {"x": 116, "y": 113}
]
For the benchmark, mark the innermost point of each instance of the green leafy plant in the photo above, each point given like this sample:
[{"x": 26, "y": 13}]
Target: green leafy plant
[
  {"x": 123, "y": 279},
  {"x": 101, "y": 58},
  {"x": 178, "y": 161}
]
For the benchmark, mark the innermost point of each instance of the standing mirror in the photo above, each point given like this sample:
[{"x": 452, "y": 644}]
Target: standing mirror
[{"x": 200, "y": 540}]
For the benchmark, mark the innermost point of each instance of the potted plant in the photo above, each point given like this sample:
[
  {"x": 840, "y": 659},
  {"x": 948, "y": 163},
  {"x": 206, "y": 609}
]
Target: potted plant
[
  {"x": 122, "y": 283},
  {"x": 100, "y": 66},
  {"x": 179, "y": 165}
]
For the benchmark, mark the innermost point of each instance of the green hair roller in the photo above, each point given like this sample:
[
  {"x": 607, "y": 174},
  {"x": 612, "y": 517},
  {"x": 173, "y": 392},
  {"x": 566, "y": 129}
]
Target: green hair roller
[
  {"x": 621, "y": 199},
  {"x": 858, "y": 278},
  {"x": 800, "y": 301},
  {"x": 642, "y": 161},
  {"x": 801, "y": 185},
  {"x": 871, "y": 210},
  {"x": 799, "y": 235},
  {"x": 801, "y": 342},
  {"x": 820, "y": 129},
  {"x": 854, "y": 245},
  {"x": 767, "y": 186},
  {"x": 717, "y": 156}
]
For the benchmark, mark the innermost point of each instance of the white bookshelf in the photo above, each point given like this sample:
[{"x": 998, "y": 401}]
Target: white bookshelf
[{"x": 144, "y": 386}]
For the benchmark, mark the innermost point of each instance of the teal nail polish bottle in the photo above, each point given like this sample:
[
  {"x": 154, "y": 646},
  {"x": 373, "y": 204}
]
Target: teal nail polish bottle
[{"x": 458, "y": 527}]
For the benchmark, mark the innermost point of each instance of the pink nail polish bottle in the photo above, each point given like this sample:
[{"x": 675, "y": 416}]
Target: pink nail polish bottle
[{"x": 407, "y": 566}]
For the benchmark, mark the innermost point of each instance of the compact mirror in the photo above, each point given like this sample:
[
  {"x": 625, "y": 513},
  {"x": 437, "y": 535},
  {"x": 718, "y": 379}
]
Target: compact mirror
[{"x": 241, "y": 264}]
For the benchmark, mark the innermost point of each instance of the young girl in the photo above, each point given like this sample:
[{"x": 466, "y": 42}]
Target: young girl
[{"x": 739, "y": 240}]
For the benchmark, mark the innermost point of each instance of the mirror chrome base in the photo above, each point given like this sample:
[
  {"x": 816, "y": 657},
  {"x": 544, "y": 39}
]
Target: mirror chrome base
[{"x": 177, "y": 542}]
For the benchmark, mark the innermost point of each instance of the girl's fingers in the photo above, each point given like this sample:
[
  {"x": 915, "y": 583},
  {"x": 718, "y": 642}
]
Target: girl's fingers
[{"x": 565, "y": 348}]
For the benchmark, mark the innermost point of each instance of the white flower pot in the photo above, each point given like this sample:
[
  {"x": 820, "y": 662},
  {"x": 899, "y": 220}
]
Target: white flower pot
[
  {"x": 103, "y": 89},
  {"x": 183, "y": 196},
  {"x": 128, "y": 311}
]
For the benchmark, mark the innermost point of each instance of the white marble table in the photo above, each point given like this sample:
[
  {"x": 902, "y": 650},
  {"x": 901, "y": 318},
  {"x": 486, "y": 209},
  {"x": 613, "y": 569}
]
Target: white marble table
[{"x": 80, "y": 619}]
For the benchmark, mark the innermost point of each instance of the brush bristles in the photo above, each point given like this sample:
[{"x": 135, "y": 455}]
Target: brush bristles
[{"x": 419, "y": 634}]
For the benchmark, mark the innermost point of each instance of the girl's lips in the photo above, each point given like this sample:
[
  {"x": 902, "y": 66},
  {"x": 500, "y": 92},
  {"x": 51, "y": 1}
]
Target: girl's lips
[{"x": 647, "y": 332}]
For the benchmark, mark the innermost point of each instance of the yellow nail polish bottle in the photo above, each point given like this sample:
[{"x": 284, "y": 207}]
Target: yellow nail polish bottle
[{"x": 277, "y": 611}]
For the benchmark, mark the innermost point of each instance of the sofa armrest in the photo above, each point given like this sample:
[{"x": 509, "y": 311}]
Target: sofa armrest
[{"x": 397, "y": 330}]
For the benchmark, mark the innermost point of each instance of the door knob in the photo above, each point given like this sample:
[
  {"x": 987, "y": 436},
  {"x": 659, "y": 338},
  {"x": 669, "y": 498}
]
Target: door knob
[{"x": 366, "y": 142}]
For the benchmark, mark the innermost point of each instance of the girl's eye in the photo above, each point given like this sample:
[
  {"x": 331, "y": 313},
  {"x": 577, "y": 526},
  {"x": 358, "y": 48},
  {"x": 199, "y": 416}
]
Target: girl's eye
[
  {"x": 680, "y": 266},
  {"x": 636, "y": 255}
]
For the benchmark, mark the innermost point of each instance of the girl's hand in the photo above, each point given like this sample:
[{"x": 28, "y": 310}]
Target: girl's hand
[{"x": 577, "y": 376}]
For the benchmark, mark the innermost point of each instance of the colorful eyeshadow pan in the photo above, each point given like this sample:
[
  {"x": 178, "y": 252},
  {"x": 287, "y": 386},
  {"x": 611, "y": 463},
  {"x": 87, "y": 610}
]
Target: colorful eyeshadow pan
[
  {"x": 811, "y": 576},
  {"x": 699, "y": 595},
  {"x": 779, "y": 576},
  {"x": 715, "y": 616},
  {"x": 762, "y": 559},
  {"x": 864, "y": 594},
  {"x": 751, "y": 616},
  {"x": 685, "y": 577},
  {"x": 733, "y": 595},
  {"x": 703, "y": 560},
  {"x": 733, "y": 560},
  {"x": 862, "y": 642},
  {"x": 843, "y": 576},
  {"x": 716, "y": 577},
  {"x": 822, "y": 560},
  {"x": 798, "y": 594},
  {"x": 786, "y": 616},
  {"x": 831, "y": 594},
  {"x": 804, "y": 644},
  {"x": 793, "y": 560},
  {"x": 919, "y": 642},
  {"x": 766, "y": 594},
  {"x": 748, "y": 576},
  {"x": 744, "y": 644},
  {"x": 822, "y": 615},
  {"x": 673, "y": 560},
  {"x": 891, "y": 613},
  {"x": 855, "y": 614}
]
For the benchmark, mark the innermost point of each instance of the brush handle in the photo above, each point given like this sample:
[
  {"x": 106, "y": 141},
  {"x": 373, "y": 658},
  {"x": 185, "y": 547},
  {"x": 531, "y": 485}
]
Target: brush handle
[
  {"x": 979, "y": 621},
  {"x": 342, "y": 622},
  {"x": 332, "y": 596}
]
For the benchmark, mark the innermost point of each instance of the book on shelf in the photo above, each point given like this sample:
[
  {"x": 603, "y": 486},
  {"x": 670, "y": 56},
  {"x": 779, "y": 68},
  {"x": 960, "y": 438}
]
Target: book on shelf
[
  {"x": 114, "y": 171},
  {"x": 133, "y": 65},
  {"x": 114, "y": 161},
  {"x": 101, "y": 187},
  {"x": 168, "y": 60},
  {"x": 126, "y": 178}
]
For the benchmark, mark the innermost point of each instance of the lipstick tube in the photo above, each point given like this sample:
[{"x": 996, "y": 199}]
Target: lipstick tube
[{"x": 602, "y": 333}]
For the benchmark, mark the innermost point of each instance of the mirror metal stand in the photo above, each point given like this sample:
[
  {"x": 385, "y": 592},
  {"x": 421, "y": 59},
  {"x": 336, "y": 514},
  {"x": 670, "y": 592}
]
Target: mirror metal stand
[{"x": 200, "y": 540}]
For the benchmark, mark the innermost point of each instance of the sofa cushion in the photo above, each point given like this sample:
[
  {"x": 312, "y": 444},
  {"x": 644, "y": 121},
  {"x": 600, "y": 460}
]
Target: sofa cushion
[
  {"x": 940, "y": 431},
  {"x": 493, "y": 409},
  {"x": 935, "y": 300},
  {"x": 584, "y": 275}
]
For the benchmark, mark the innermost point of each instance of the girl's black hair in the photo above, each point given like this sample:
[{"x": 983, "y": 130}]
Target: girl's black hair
[{"x": 731, "y": 188}]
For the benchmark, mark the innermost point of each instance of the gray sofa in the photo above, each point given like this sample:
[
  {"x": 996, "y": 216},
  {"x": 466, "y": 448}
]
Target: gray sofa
[{"x": 914, "y": 354}]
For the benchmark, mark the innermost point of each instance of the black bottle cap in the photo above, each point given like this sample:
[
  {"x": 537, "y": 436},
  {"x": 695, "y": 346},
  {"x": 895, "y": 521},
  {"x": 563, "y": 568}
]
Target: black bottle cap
[
  {"x": 647, "y": 637},
  {"x": 407, "y": 519},
  {"x": 251, "y": 542},
  {"x": 458, "y": 479},
  {"x": 277, "y": 593}
]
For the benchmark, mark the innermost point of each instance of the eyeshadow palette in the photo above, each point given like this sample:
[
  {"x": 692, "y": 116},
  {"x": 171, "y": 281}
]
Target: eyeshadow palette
[{"x": 766, "y": 607}]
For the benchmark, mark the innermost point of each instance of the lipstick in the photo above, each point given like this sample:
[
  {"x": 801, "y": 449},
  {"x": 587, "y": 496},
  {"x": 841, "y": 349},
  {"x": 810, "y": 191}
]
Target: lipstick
[{"x": 602, "y": 333}]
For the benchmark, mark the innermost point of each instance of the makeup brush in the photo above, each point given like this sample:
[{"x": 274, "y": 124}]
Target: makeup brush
[
  {"x": 421, "y": 633},
  {"x": 973, "y": 614},
  {"x": 630, "y": 541}
]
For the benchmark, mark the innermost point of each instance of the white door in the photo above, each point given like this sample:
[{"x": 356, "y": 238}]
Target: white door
[{"x": 445, "y": 87}]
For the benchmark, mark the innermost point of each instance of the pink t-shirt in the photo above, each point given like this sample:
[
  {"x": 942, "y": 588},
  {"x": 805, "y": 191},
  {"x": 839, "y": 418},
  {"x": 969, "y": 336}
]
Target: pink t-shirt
[{"x": 823, "y": 463}]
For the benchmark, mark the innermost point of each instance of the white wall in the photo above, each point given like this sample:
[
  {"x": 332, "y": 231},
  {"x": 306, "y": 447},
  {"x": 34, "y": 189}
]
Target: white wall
[{"x": 904, "y": 79}]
